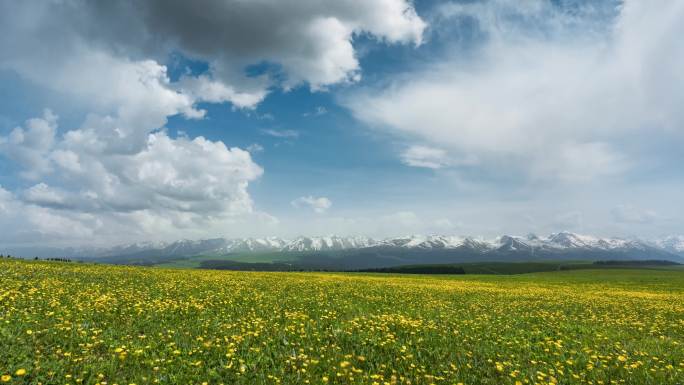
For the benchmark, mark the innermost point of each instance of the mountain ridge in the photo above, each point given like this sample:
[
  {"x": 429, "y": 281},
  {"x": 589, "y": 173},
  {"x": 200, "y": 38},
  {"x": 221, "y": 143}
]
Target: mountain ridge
[{"x": 535, "y": 246}]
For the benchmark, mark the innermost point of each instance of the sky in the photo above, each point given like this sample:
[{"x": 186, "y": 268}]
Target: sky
[{"x": 164, "y": 119}]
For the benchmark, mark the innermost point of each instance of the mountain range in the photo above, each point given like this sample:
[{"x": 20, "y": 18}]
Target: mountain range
[{"x": 414, "y": 248}]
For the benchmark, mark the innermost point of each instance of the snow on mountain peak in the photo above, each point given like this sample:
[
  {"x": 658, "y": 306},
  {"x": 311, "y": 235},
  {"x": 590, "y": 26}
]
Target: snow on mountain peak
[
  {"x": 327, "y": 243},
  {"x": 507, "y": 243},
  {"x": 674, "y": 243}
]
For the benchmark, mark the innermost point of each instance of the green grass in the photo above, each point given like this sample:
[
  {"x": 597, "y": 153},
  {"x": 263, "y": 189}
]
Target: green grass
[
  {"x": 507, "y": 268},
  {"x": 195, "y": 262},
  {"x": 70, "y": 323}
]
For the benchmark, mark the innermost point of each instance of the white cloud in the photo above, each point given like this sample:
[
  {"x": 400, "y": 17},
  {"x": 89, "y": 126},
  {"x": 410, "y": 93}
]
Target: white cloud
[
  {"x": 319, "y": 205},
  {"x": 117, "y": 175},
  {"x": 286, "y": 134},
  {"x": 205, "y": 89},
  {"x": 318, "y": 111},
  {"x": 254, "y": 148},
  {"x": 28, "y": 145},
  {"x": 432, "y": 157},
  {"x": 28, "y": 223},
  {"x": 581, "y": 162},
  {"x": 68, "y": 160},
  {"x": 560, "y": 101},
  {"x": 423, "y": 156},
  {"x": 161, "y": 189},
  {"x": 43, "y": 195}
]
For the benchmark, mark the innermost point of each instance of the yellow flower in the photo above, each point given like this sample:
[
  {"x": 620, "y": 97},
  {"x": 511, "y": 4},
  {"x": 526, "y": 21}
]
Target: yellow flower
[
  {"x": 20, "y": 372},
  {"x": 5, "y": 378}
]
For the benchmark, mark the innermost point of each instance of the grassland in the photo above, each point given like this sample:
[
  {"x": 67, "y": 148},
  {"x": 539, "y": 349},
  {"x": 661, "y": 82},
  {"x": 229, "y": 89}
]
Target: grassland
[
  {"x": 68, "y": 323},
  {"x": 504, "y": 268},
  {"x": 196, "y": 261}
]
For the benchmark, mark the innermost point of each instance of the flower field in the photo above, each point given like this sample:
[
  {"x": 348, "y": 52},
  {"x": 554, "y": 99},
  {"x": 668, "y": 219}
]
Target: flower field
[{"x": 69, "y": 323}]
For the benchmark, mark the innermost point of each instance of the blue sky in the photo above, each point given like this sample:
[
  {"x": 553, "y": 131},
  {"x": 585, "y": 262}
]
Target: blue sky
[{"x": 372, "y": 118}]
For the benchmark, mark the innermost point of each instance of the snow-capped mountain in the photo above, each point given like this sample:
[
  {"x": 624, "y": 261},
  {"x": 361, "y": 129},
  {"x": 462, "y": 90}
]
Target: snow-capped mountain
[
  {"x": 252, "y": 244},
  {"x": 555, "y": 241},
  {"x": 330, "y": 243},
  {"x": 565, "y": 239},
  {"x": 556, "y": 245},
  {"x": 572, "y": 240},
  {"x": 673, "y": 244},
  {"x": 425, "y": 242}
]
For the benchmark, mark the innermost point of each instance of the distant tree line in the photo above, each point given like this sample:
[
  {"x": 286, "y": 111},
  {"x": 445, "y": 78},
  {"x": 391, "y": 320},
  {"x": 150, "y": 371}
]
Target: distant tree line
[
  {"x": 645, "y": 262},
  {"x": 38, "y": 259},
  {"x": 418, "y": 269}
]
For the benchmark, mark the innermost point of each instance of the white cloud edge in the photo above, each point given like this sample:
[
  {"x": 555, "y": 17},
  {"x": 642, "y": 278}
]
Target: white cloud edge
[{"x": 319, "y": 205}]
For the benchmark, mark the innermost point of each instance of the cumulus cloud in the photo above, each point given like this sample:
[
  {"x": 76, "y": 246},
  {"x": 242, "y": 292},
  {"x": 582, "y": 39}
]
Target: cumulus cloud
[
  {"x": 545, "y": 92},
  {"x": 24, "y": 222},
  {"x": 28, "y": 145},
  {"x": 44, "y": 195},
  {"x": 119, "y": 172},
  {"x": 298, "y": 42},
  {"x": 165, "y": 188},
  {"x": 319, "y": 205},
  {"x": 203, "y": 88}
]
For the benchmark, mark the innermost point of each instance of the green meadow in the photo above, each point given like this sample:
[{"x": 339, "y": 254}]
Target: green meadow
[{"x": 73, "y": 323}]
